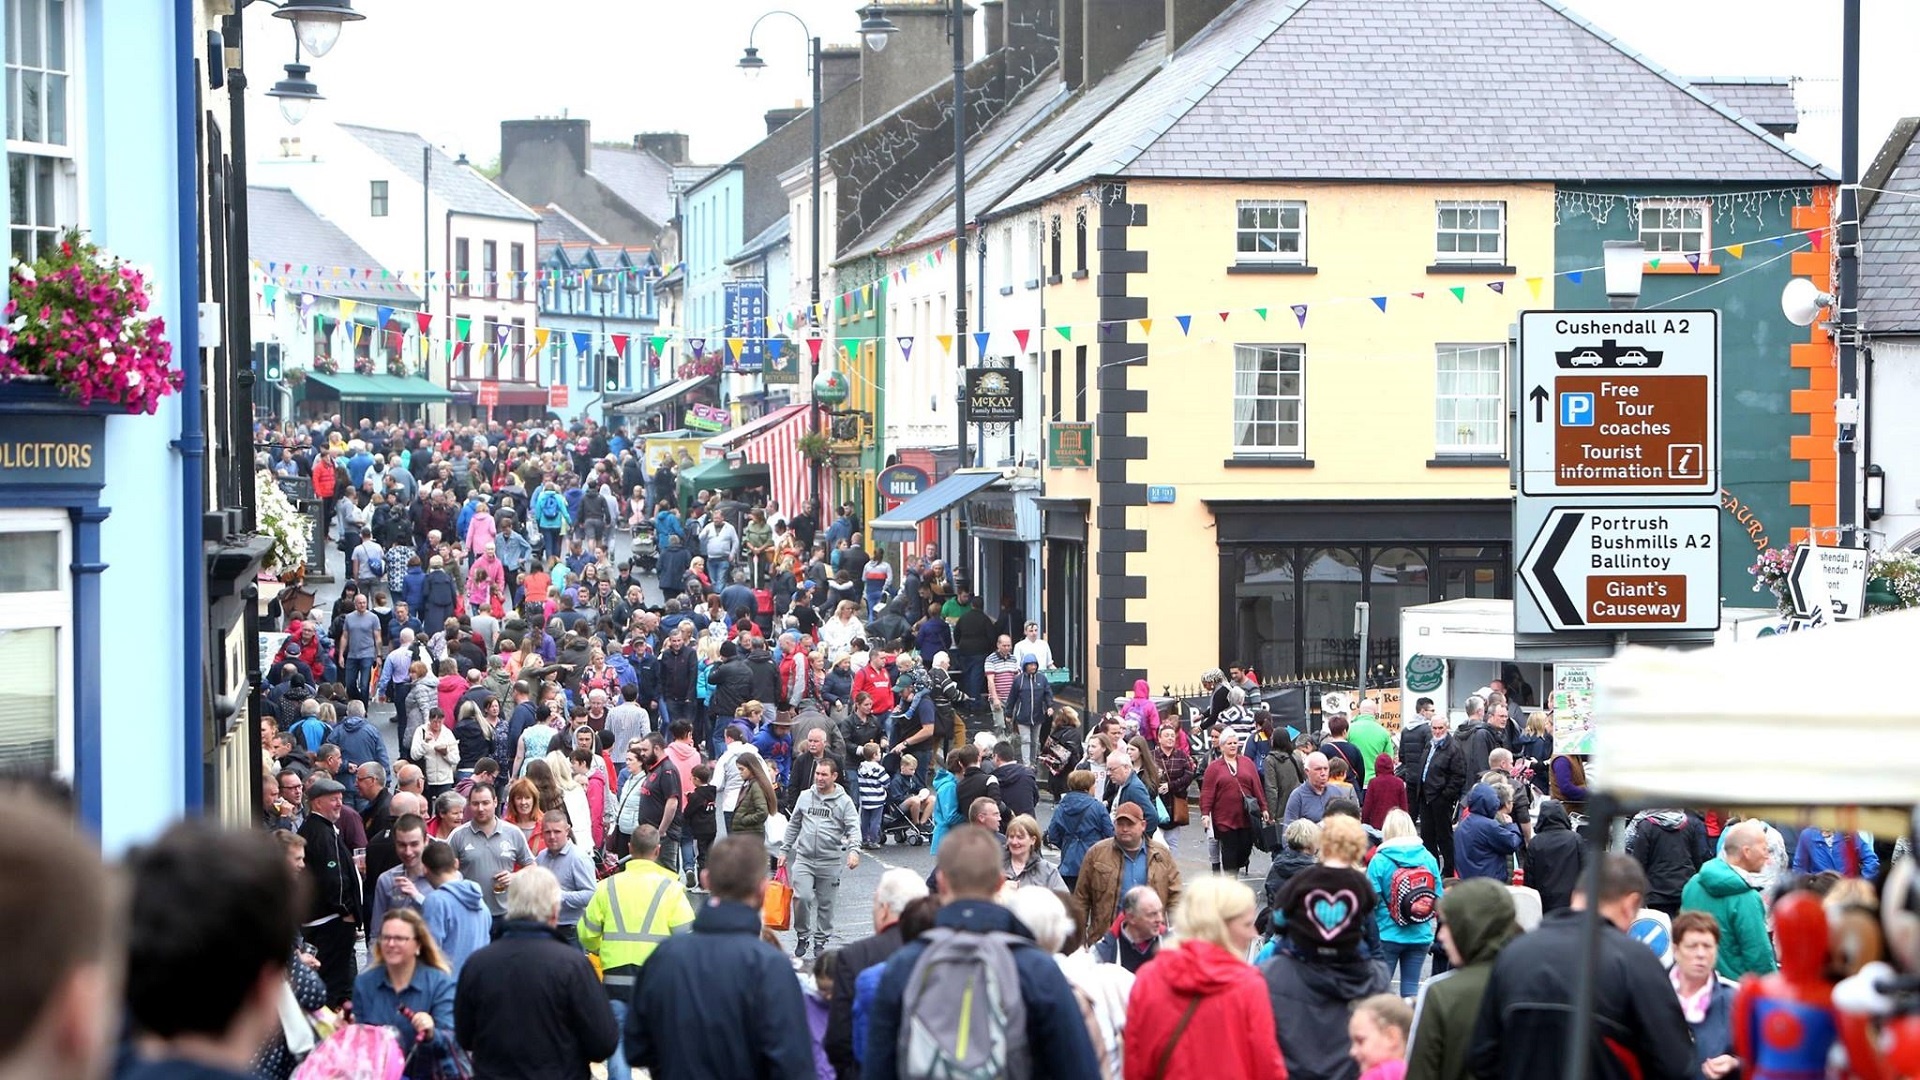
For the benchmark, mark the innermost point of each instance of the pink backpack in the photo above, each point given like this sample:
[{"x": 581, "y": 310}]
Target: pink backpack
[{"x": 355, "y": 1052}]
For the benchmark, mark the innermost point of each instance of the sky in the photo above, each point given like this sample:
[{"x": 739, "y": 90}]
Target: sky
[{"x": 453, "y": 69}]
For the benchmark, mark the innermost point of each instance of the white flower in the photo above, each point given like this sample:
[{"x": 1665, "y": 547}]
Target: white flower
[
  {"x": 133, "y": 378},
  {"x": 25, "y": 271}
]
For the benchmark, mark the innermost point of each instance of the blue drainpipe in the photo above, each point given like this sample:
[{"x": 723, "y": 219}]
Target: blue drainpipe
[{"x": 192, "y": 443}]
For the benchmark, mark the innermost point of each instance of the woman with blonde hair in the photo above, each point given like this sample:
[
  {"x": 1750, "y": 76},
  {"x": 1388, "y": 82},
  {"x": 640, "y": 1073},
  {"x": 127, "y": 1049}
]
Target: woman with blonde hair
[
  {"x": 1199, "y": 1009},
  {"x": 573, "y": 795},
  {"x": 1022, "y": 860},
  {"x": 407, "y": 987},
  {"x": 1406, "y": 877}
]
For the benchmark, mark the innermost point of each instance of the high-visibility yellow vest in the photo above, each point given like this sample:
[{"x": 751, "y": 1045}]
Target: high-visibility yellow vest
[{"x": 631, "y": 913}]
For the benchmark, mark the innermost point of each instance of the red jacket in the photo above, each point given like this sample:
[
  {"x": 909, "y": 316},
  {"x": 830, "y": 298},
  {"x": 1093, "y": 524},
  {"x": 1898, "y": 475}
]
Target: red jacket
[
  {"x": 1385, "y": 794},
  {"x": 1221, "y": 792},
  {"x": 1231, "y": 1032},
  {"x": 872, "y": 680}
]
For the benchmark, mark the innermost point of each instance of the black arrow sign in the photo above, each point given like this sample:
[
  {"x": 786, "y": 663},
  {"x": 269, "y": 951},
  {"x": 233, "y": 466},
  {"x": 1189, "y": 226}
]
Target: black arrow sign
[
  {"x": 1539, "y": 399},
  {"x": 1543, "y": 568}
]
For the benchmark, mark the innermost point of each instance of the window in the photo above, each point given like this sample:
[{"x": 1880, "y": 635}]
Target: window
[
  {"x": 1079, "y": 384},
  {"x": 1268, "y": 403},
  {"x": 1053, "y": 249},
  {"x": 1470, "y": 232},
  {"x": 1006, "y": 259},
  {"x": 379, "y": 198},
  {"x": 490, "y": 342},
  {"x": 1033, "y": 253},
  {"x": 36, "y": 644},
  {"x": 523, "y": 364},
  {"x": 461, "y": 264},
  {"x": 517, "y": 263},
  {"x": 1675, "y": 228},
  {"x": 490, "y": 267},
  {"x": 1080, "y": 244},
  {"x": 42, "y": 170},
  {"x": 1053, "y": 402},
  {"x": 1469, "y": 400},
  {"x": 1272, "y": 231}
]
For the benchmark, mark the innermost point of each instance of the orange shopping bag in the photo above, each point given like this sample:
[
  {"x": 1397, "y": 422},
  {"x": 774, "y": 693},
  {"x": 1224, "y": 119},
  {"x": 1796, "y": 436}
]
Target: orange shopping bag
[{"x": 776, "y": 909}]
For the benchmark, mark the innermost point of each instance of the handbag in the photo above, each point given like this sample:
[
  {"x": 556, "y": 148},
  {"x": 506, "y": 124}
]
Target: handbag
[
  {"x": 295, "y": 1027},
  {"x": 1179, "y": 813},
  {"x": 776, "y": 907},
  {"x": 1166, "y": 818},
  {"x": 776, "y": 832}
]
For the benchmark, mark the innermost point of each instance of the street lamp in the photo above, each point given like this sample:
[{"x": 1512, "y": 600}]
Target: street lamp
[
  {"x": 751, "y": 64},
  {"x": 317, "y": 23},
  {"x": 876, "y": 27},
  {"x": 296, "y": 93},
  {"x": 1624, "y": 262}
]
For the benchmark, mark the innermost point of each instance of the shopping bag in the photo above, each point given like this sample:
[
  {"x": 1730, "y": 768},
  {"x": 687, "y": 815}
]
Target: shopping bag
[
  {"x": 1180, "y": 811},
  {"x": 776, "y": 909}
]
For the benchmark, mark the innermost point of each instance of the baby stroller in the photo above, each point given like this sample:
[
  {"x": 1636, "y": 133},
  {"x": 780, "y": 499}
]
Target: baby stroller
[{"x": 895, "y": 823}]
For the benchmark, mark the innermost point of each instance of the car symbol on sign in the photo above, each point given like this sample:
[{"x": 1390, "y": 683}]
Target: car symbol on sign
[
  {"x": 1585, "y": 358},
  {"x": 1631, "y": 358}
]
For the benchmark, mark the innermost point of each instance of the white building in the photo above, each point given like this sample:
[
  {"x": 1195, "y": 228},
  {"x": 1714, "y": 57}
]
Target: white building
[{"x": 1890, "y": 323}]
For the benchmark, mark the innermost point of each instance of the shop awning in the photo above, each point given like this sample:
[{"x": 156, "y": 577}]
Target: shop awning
[
  {"x": 511, "y": 393},
  {"x": 902, "y": 523},
  {"x": 774, "y": 441},
  {"x": 722, "y": 475},
  {"x": 353, "y": 386},
  {"x": 658, "y": 396}
]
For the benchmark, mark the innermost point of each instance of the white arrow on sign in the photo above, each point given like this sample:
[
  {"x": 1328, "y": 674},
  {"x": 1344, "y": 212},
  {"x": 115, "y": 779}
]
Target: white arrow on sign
[{"x": 1620, "y": 568}]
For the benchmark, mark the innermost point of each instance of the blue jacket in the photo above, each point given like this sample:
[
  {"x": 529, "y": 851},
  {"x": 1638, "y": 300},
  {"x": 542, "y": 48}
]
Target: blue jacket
[
  {"x": 1135, "y": 792},
  {"x": 1812, "y": 854},
  {"x": 359, "y": 743},
  {"x": 457, "y": 914},
  {"x": 718, "y": 1003},
  {"x": 1056, "y": 1032},
  {"x": 946, "y": 807},
  {"x": 1481, "y": 844},
  {"x": 1079, "y": 822},
  {"x": 1391, "y": 856},
  {"x": 1713, "y": 1035},
  {"x": 430, "y": 991},
  {"x": 413, "y": 588}
]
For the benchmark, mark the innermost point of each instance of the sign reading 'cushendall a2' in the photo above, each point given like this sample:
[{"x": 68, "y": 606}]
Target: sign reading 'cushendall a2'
[{"x": 1626, "y": 568}]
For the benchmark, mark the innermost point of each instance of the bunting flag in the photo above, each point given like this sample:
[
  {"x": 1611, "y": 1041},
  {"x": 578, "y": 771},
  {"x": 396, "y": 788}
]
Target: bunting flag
[
  {"x": 382, "y": 316},
  {"x": 1146, "y": 327},
  {"x": 1020, "y": 337},
  {"x": 462, "y": 326},
  {"x": 1419, "y": 296},
  {"x": 659, "y": 344},
  {"x": 1736, "y": 250},
  {"x": 980, "y": 341},
  {"x": 347, "y": 308},
  {"x": 425, "y": 321},
  {"x": 866, "y": 295},
  {"x": 272, "y": 293},
  {"x": 1380, "y": 302},
  {"x": 813, "y": 347},
  {"x": 1653, "y": 264},
  {"x": 582, "y": 343},
  {"x": 697, "y": 346},
  {"x": 501, "y": 333},
  {"x": 1224, "y": 314},
  {"x": 940, "y": 255},
  {"x": 352, "y": 272},
  {"x": 1459, "y": 293},
  {"x": 1575, "y": 276},
  {"x": 1065, "y": 332},
  {"x": 1300, "y": 312},
  {"x": 1779, "y": 241},
  {"x": 1693, "y": 260},
  {"x": 735, "y": 345},
  {"x": 1186, "y": 323},
  {"x": 1533, "y": 286},
  {"x": 1262, "y": 312},
  {"x": 540, "y": 340},
  {"x": 946, "y": 343},
  {"x": 776, "y": 348},
  {"x": 1498, "y": 286},
  {"x": 1819, "y": 238},
  {"x": 905, "y": 342},
  {"x": 620, "y": 345},
  {"x": 359, "y": 332}
]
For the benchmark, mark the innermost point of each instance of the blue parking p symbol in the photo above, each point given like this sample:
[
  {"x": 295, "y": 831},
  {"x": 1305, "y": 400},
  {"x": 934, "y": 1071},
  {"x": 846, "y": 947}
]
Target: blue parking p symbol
[{"x": 1576, "y": 410}]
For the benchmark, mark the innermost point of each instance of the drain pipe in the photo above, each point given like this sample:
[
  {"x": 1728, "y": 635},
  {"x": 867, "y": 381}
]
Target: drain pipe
[{"x": 192, "y": 443}]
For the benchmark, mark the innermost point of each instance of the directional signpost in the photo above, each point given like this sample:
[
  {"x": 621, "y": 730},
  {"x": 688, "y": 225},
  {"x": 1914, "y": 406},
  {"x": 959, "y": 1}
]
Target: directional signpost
[
  {"x": 1827, "y": 584},
  {"x": 1617, "y": 521}
]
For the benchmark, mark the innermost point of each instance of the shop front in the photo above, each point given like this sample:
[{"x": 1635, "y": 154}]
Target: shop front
[
  {"x": 500, "y": 400},
  {"x": 1291, "y": 573},
  {"x": 356, "y": 395},
  {"x": 1063, "y": 530},
  {"x": 670, "y": 407},
  {"x": 1004, "y": 529}
]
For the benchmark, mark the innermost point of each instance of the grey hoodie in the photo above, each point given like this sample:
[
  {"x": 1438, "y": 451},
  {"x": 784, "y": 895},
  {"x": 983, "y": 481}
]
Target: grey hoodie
[{"x": 822, "y": 828}]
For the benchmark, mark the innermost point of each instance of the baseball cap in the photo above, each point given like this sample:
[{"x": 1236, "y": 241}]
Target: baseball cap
[{"x": 1129, "y": 810}]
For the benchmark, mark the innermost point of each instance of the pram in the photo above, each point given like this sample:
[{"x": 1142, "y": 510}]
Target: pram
[{"x": 895, "y": 824}]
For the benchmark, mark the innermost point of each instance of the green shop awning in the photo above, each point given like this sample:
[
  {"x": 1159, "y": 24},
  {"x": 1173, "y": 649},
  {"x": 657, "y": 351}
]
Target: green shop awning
[
  {"x": 353, "y": 386},
  {"x": 720, "y": 474}
]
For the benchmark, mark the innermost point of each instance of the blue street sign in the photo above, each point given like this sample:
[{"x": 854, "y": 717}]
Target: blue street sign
[{"x": 1576, "y": 410}]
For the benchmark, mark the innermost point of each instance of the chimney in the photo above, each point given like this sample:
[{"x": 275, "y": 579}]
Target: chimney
[
  {"x": 995, "y": 12},
  {"x": 542, "y": 138},
  {"x": 672, "y": 147},
  {"x": 918, "y": 57},
  {"x": 839, "y": 68},
  {"x": 1114, "y": 28},
  {"x": 1185, "y": 18},
  {"x": 779, "y": 118},
  {"x": 1073, "y": 42},
  {"x": 1031, "y": 29}
]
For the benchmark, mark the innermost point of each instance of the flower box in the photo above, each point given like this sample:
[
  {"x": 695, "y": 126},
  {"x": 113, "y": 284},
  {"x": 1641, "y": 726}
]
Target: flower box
[{"x": 79, "y": 325}]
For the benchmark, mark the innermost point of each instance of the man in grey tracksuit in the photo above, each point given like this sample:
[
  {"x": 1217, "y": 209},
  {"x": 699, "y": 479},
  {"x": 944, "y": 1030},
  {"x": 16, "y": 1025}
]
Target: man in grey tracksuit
[{"x": 822, "y": 842}]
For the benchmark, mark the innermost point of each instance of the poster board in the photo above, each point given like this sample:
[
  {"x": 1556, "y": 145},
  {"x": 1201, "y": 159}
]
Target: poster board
[
  {"x": 1384, "y": 704},
  {"x": 1572, "y": 702},
  {"x": 683, "y": 453}
]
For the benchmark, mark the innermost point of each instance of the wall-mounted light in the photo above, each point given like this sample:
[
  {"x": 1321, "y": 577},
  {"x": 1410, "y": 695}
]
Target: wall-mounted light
[
  {"x": 1876, "y": 492},
  {"x": 1624, "y": 261},
  {"x": 1801, "y": 301},
  {"x": 317, "y": 23}
]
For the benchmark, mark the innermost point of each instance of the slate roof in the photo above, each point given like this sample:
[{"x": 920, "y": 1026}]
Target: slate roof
[
  {"x": 1890, "y": 236},
  {"x": 282, "y": 228},
  {"x": 770, "y": 237},
  {"x": 456, "y": 186},
  {"x": 1412, "y": 90},
  {"x": 639, "y": 177},
  {"x": 1767, "y": 101},
  {"x": 558, "y": 226}
]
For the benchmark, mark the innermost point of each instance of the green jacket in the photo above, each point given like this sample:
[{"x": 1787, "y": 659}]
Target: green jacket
[
  {"x": 1724, "y": 893},
  {"x": 1370, "y": 738},
  {"x": 1479, "y": 914}
]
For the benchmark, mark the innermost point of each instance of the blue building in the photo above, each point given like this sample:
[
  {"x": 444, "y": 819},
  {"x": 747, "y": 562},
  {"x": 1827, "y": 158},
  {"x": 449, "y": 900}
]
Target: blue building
[{"x": 597, "y": 303}]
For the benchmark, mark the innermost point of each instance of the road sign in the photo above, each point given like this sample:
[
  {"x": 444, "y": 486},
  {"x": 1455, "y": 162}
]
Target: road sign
[
  {"x": 488, "y": 395},
  {"x": 1619, "y": 403},
  {"x": 1621, "y": 568},
  {"x": 1828, "y": 581},
  {"x": 557, "y": 396}
]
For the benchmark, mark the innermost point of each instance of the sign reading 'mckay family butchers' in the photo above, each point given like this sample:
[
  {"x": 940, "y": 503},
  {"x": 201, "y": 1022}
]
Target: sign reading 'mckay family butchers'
[
  {"x": 43, "y": 451},
  {"x": 993, "y": 396}
]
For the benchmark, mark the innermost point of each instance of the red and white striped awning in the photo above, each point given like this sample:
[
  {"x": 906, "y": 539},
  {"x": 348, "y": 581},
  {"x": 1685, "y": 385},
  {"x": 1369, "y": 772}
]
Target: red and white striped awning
[{"x": 773, "y": 441}]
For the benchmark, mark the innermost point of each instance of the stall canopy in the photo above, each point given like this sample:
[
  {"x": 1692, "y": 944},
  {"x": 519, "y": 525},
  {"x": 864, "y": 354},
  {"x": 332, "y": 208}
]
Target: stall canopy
[
  {"x": 353, "y": 386},
  {"x": 903, "y": 521},
  {"x": 658, "y": 396},
  {"x": 1728, "y": 726},
  {"x": 511, "y": 393},
  {"x": 774, "y": 441},
  {"x": 721, "y": 475}
]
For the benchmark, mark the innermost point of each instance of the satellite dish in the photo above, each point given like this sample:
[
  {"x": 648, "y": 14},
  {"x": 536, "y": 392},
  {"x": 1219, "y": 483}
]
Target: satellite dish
[{"x": 1801, "y": 302}]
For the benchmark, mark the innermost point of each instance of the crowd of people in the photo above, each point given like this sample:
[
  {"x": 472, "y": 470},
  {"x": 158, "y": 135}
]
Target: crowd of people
[{"x": 603, "y": 805}]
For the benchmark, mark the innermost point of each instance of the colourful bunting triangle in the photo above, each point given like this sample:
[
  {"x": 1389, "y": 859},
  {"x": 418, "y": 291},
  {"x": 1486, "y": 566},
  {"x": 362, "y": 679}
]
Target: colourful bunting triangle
[
  {"x": 1654, "y": 263},
  {"x": 905, "y": 341},
  {"x": 1380, "y": 302},
  {"x": 1146, "y": 327},
  {"x": 1186, "y": 323},
  {"x": 1575, "y": 276},
  {"x": 1065, "y": 332},
  {"x": 540, "y": 336},
  {"x": 736, "y": 345},
  {"x": 620, "y": 344},
  {"x": 1020, "y": 337},
  {"x": 582, "y": 342},
  {"x": 1498, "y": 286},
  {"x": 1262, "y": 312},
  {"x": 1693, "y": 260},
  {"x": 347, "y": 308},
  {"x": 980, "y": 341},
  {"x": 1459, "y": 292},
  {"x": 659, "y": 344},
  {"x": 425, "y": 321},
  {"x": 462, "y": 325},
  {"x": 1300, "y": 312},
  {"x": 946, "y": 343},
  {"x": 697, "y": 346},
  {"x": 813, "y": 347},
  {"x": 1533, "y": 286},
  {"x": 1224, "y": 314},
  {"x": 1736, "y": 250},
  {"x": 1419, "y": 296}
]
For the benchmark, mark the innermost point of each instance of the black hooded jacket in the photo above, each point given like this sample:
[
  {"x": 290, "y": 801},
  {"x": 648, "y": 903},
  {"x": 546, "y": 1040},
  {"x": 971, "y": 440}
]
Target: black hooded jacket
[
  {"x": 1311, "y": 1002},
  {"x": 1671, "y": 846},
  {"x": 1554, "y": 857}
]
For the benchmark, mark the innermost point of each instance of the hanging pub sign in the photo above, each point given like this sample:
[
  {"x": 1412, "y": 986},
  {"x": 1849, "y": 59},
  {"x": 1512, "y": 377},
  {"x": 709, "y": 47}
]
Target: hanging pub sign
[{"x": 993, "y": 396}]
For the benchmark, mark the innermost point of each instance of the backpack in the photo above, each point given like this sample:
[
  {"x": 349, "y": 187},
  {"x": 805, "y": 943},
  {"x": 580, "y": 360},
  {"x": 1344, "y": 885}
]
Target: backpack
[
  {"x": 355, "y": 1052},
  {"x": 377, "y": 564},
  {"x": 763, "y": 601},
  {"x": 965, "y": 1018},
  {"x": 1412, "y": 898}
]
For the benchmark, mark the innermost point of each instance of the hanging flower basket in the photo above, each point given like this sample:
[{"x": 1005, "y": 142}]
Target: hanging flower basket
[
  {"x": 398, "y": 369},
  {"x": 363, "y": 366},
  {"x": 1893, "y": 579},
  {"x": 295, "y": 376},
  {"x": 281, "y": 523},
  {"x": 326, "y": 365},
  {"x": 79, "y": 319}
]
